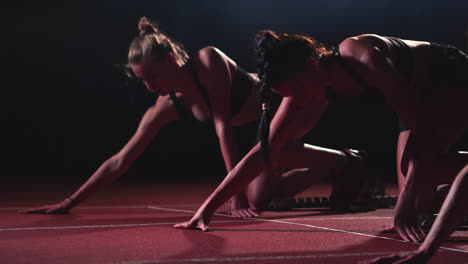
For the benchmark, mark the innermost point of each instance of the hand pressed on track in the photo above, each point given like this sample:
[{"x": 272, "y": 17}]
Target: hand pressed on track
[
  {"x": 239, "y": 207},
  {"x": 59, "y": 208},
  {"x": 196, "y": 222},
  {"x": 406, "y": 220}
]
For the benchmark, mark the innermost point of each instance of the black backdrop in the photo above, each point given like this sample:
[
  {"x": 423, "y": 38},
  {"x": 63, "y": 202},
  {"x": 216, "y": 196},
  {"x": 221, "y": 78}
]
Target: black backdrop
[{"x": 65, "y": 108}]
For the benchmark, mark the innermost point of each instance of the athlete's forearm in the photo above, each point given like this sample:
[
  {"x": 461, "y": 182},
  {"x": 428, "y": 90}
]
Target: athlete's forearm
[
  {"x": 230, "y": 152},
  {"x": 237, "y": 180},
  {"x": 108, "y": 172}
]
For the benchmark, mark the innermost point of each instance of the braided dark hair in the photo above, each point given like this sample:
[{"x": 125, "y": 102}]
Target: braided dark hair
[
  {"x": 278, "y": 56},
  {"x": 151, "y": 43}
]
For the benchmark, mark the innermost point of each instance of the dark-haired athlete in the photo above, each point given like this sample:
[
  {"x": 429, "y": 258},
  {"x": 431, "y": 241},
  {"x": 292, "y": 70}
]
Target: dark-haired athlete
[
  {"x": 425, "y": 83},
  {"x": 207, "y": 87}
]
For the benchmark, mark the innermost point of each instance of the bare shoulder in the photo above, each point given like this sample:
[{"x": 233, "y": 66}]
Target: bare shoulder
[
  {"x": 212, "y": 61},
  {"x": 361, "y": 45},
  {"x": 213, "y": 54}
]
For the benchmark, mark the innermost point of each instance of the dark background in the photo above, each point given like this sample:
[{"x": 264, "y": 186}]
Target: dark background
[{"x": 66, "y": 108}]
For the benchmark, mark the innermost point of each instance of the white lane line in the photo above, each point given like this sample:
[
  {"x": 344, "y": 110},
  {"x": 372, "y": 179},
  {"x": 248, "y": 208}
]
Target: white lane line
[
  {"x": 101, "y": 226},
  {"x": 191, "y": 211},
  {"x": 109, "y": 207},
  {"x": 259, "y": 258},
  {"x": 171, "y": 210},
  {"x": 339, "y": 218},
  {"x": 326, "y": 228},
  {"x": 355, "y": 233}
]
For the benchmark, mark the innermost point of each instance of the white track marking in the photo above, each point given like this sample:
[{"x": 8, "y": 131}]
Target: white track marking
[
  {"x": 338, "y": 218},
  {"x": 106, "y": 207},
  {"x": 225, "y": 215},
  {"x": 253, "y": 258},
  {"x": 191, "y": 211},
  {"x": 100, "y": 226},
  {"x": 325, "y": 228},
  {"x": 171, "y": 210}
]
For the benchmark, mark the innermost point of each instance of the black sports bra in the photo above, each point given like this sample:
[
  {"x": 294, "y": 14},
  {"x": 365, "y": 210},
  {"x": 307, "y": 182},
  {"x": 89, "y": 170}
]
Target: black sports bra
[{"x": 241, "y": 87}]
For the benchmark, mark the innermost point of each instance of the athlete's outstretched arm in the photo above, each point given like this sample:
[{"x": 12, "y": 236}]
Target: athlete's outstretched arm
[
  {"x": 154, "y": 118},
  {"x": 289, "y": 119}
]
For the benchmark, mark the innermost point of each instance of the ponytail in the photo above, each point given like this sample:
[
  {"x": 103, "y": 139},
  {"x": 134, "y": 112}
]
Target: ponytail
[
  {"x": 264, "y": 133},
  {"x": 153, "y": 44}
]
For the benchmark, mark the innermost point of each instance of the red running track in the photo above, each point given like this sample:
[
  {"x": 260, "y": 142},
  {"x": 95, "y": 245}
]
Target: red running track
[{"x": 132, "y": 223}]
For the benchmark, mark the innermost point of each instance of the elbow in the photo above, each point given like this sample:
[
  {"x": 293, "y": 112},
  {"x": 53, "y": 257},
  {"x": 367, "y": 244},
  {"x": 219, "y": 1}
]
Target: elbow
[
  {"x": 222, "y": 130},
  {"x": 118, "y": 163}
]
